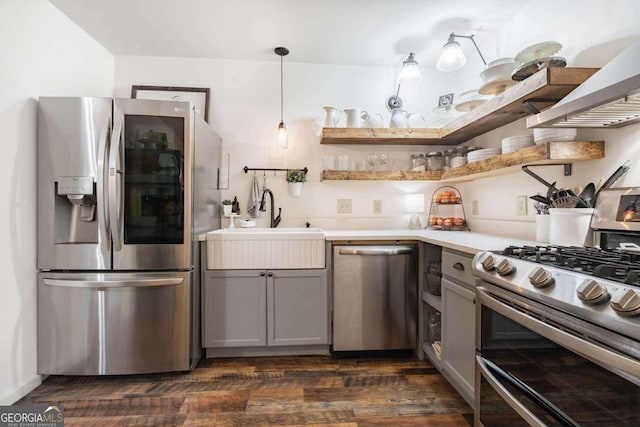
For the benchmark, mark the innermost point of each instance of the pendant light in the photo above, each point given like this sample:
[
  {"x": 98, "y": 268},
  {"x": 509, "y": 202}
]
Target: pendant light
[
  {"x": 281, "y": 135},
  {"x": 410, "y": 72},
  {"x": 452, "y": 57}
]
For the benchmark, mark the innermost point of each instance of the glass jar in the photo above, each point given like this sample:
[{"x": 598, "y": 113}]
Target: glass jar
[
  {"x": 446, "y": 155},
  {"x": 417, "y": 162},
  {"x": 458, "y": 157},
  {"x": 434, "y": 162}
]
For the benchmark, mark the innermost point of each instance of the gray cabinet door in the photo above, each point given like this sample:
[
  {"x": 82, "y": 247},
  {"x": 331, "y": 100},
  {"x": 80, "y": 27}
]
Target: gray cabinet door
[
  {"x": 458, "y": 337},
  {"x": 235, "y": 308},
  {"x": 297, "y": 307}
]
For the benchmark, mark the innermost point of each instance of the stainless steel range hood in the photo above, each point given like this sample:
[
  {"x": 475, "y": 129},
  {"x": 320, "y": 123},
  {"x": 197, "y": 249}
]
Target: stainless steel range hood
[{"x": 609, "y": 98}]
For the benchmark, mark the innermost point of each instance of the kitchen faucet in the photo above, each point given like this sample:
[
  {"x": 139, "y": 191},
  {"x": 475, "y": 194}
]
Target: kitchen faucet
[{"x": 274, "y": 221}]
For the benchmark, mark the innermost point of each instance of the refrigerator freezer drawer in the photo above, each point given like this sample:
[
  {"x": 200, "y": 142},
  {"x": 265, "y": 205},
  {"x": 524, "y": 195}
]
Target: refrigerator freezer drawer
[{"x": 133, "y": 323}]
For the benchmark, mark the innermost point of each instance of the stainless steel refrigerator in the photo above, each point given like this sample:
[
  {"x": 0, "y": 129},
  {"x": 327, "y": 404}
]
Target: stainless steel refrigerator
[{"x": 124, "y": 185}]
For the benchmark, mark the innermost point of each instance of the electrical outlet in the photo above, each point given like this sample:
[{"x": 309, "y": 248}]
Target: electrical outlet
[
  {"x": 434, "y": 209},
  {"x": 344, "y": 206},
  {"x": 377, "y": 206},
  {"x": 474, "y": 208},
  {"x": 522, "y": 206}
]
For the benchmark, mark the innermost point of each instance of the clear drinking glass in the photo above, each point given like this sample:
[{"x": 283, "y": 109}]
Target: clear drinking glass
[
  {"x": 383, "y": 159},
  {"x": 372, "y": 159}
]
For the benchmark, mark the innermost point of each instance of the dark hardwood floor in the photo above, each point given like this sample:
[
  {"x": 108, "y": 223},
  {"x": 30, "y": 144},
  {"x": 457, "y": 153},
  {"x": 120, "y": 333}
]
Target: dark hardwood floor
[{"x": 292, "y": 391}]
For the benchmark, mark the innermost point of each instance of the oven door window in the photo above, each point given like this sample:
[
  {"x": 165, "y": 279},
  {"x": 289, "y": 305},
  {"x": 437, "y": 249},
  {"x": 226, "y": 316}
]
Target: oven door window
[{"x": 555, "y": 385}]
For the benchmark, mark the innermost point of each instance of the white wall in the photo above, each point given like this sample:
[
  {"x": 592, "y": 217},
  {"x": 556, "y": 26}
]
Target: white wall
[
  {"x": 590, "y": 36},
  {"x": 43, "y": 54},
  {"x": 245, "y": 110}
]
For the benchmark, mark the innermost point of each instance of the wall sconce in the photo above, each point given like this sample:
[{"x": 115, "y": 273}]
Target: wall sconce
[
  {"x": 281, "y": 135},
  {"x": 452, "y": 58},
  {"x": 410, "y": 72},
  {"x": 414, "y": 204}
]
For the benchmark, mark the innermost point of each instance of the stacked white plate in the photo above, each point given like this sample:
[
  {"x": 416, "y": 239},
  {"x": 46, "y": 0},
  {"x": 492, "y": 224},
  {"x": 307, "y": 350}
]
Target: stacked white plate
[
  {"x": 542, "y": 135},
  {"x": 483, "y": 154},
  {"x": 514, "y": 143},
  {"x": 469, "y": 100}
]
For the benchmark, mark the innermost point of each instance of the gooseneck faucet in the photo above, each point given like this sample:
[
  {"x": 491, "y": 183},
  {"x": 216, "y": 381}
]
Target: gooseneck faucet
[{"x": 274, "y": 221}]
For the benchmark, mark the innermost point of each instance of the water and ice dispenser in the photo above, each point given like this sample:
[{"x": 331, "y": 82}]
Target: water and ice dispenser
[{"x": 75, "y": 210}]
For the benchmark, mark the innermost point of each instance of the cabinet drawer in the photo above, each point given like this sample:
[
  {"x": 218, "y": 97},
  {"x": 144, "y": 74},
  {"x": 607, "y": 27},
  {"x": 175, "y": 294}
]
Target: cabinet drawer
[{"x": 458, "y": 267}]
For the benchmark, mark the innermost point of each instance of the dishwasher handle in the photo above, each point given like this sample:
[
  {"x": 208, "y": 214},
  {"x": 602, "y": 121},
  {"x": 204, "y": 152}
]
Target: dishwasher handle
[{"x": 377, "y": 250}]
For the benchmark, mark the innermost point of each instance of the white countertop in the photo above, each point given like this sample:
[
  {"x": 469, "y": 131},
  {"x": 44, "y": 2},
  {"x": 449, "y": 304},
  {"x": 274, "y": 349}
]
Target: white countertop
[{"x": 464, "y": 241}]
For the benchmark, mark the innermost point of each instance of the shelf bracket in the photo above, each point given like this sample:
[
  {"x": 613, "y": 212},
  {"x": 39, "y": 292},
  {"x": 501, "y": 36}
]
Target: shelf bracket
[
  {"x": 527, "y": 103},
  {"x": 567, "y": 171}
]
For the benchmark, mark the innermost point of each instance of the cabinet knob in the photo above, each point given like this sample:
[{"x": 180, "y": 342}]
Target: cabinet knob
[
  {"x": 262, "y": 273},
  {"x": 458, "y": 266},
  {"x": 270, "y": 274}
]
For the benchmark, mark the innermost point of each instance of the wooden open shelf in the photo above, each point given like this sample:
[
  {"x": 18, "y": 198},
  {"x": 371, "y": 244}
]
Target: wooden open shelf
[
  {"x": 550, "y": 84},
  {"x": 331, "y": 175},
  {"x": 380, "y": 136},
  {"x": 547, "y": 153}
]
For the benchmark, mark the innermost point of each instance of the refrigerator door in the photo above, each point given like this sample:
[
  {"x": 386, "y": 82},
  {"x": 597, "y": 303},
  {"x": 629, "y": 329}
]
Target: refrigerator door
[
  {"x": 113, "y": 323},
  {"x": 73, "y": 141},
  {"x": 150, "y": 182}
]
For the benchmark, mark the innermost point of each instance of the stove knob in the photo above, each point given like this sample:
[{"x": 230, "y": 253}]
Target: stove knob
[
  {"x": 540, "y": 278},
  {"x": 505, "y": 267},
  {"x": 488, "y": 263},
  {"x": 592, "y": 292},
  {"x": 626, "y": 302}
]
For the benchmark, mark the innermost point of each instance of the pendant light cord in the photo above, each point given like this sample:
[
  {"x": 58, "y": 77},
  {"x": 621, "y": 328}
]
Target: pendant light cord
[{"x": 281, "y": 92}]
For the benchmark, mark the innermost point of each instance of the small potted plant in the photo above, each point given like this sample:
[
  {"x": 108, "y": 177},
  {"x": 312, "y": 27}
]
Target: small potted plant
[
  {"x": 295, "y": 178},
  {"x": 226, "y": 206}
]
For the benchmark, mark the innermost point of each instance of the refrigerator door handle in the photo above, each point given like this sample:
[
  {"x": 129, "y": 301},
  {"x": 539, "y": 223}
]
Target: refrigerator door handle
[
  {"x": 103, "y": 161},
  {"x": 70, "y": 283},
  {"x": 114, "y": 154}
]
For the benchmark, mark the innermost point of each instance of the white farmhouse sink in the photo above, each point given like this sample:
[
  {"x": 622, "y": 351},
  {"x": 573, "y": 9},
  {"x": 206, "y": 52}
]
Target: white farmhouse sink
[{"x": 258, "y": 248}]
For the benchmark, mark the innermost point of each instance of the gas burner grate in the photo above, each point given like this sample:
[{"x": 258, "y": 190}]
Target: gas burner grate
[{"x": 608, "y": 264}]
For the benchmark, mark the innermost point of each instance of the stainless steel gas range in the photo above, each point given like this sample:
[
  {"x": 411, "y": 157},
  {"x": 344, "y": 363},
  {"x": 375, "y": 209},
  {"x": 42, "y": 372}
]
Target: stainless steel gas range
[{"x": 558, "y": 328}]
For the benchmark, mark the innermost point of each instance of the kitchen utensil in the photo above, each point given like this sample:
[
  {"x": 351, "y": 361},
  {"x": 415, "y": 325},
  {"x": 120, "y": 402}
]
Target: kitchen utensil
[
  {"x": 540, "y": 199},
  {"x": 587, "y": 194},
  {"x": 564, "y": 200},
  {"x": 612, "y": 179}
]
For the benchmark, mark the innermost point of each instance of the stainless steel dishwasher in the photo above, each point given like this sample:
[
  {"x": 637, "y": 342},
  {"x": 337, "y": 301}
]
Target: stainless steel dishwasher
[{"x": 375, "y": 296}]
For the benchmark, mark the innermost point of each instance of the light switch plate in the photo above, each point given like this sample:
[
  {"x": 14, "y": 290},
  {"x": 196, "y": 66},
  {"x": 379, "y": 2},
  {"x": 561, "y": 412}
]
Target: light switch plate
[
  {"x": 344, "y": 206},
  {"x": 522, "y": 206},
  {"x": 474, "y": 208}
]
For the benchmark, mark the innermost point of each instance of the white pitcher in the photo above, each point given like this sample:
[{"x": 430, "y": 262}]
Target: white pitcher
[
  {"x": 400, "y": 118},
  {"x": 333, "y": 116},
  {"x": 371, "y": 120},
  {"x": 354, "y": 117}
]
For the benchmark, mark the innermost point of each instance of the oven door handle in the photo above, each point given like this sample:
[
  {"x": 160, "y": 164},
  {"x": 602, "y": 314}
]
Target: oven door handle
[
  {"x": 490, "y": 370},
  {"x": 600, "y": 355}
]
